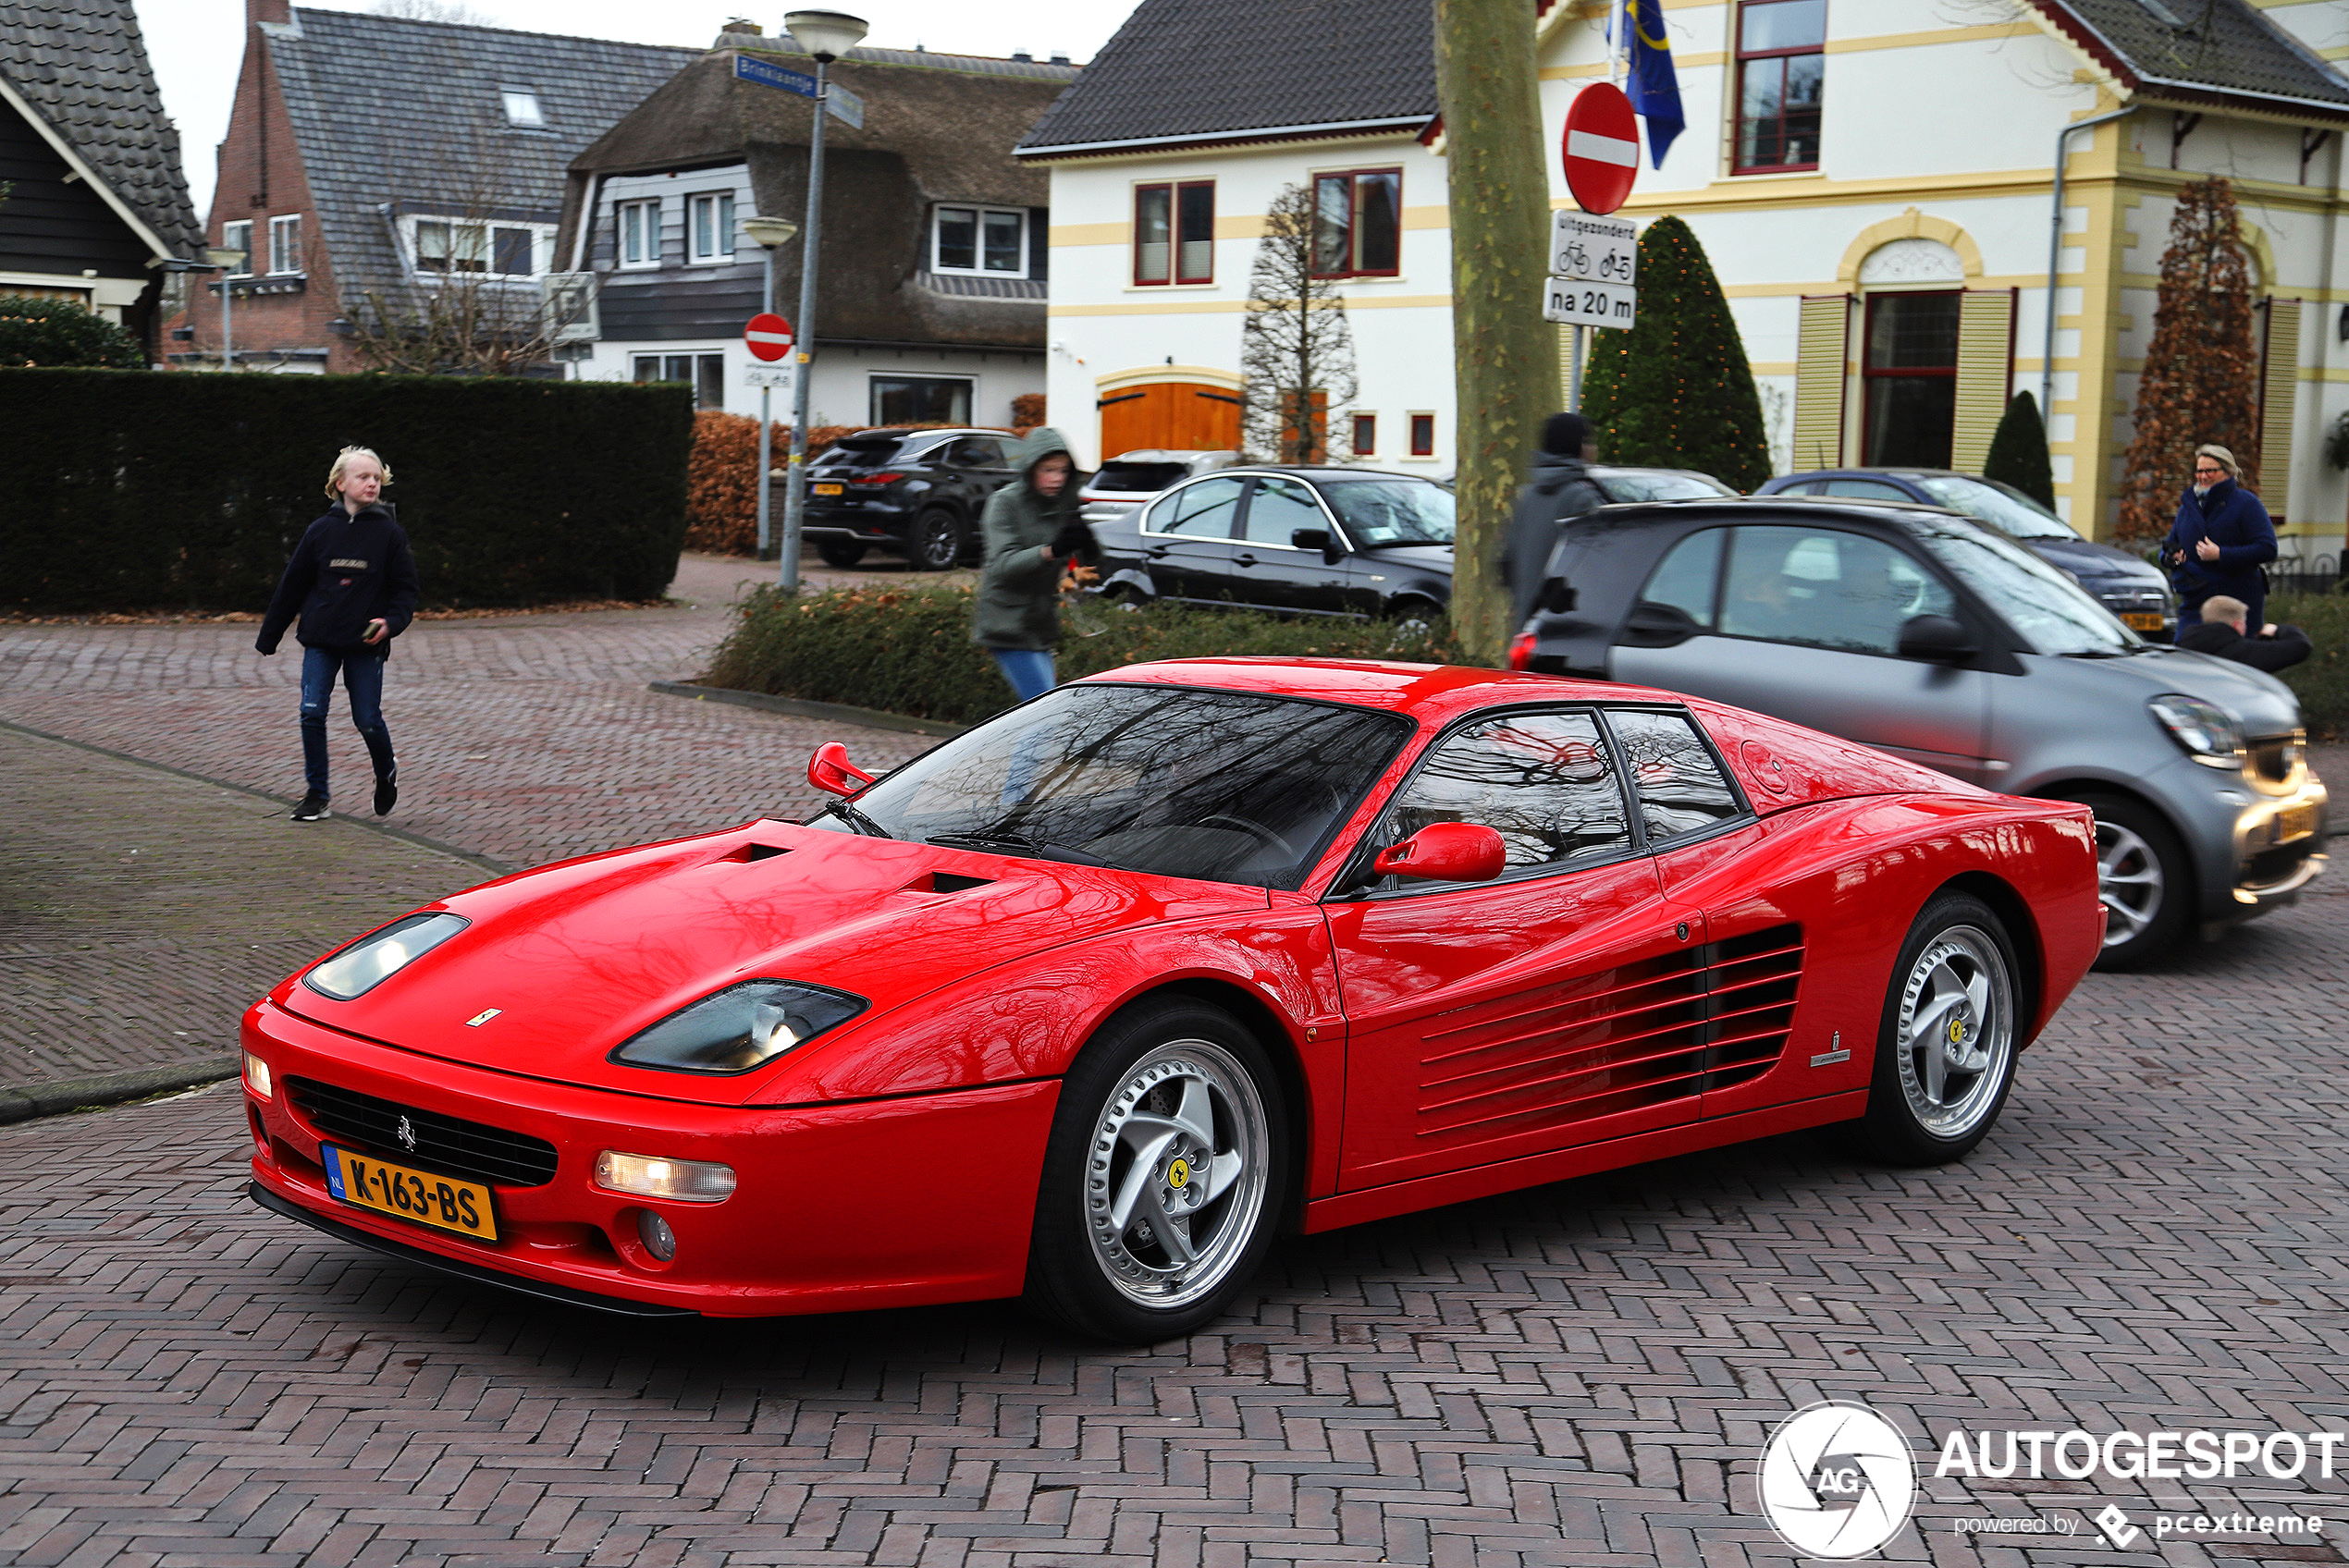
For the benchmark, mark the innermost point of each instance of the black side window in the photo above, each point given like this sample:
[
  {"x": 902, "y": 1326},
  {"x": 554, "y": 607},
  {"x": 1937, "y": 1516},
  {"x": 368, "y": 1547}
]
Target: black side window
[
  {"x": 1688, "y": 576},
  {"x": 977, "y": 451},
  {"x": 1681, "y": 787},
  {"x": 1543, "y": 780}
]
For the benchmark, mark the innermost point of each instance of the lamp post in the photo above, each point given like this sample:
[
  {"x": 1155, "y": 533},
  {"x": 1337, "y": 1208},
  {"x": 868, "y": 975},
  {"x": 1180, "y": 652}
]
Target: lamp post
[
  {"x": 766, "y": 234},
  {"x": 826, "y": 35},
  {"x": 228, "y": 261}
]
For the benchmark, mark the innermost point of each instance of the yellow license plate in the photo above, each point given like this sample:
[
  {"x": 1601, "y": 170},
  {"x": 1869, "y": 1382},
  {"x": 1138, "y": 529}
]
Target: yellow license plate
[
  {"x": 827, "y": 489},
  {"x": 442, "y": 1202},
  {"x": 2295, "y": 822},
  {"x": 2143, "y": 620}
]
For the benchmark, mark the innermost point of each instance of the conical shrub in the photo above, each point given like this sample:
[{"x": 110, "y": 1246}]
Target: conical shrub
[{"x": 2019, "y": 451}]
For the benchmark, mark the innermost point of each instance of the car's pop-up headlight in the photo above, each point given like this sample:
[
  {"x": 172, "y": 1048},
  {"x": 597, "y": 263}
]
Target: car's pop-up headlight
[
  {"x": 371, "y": 959},
  {"x": 741, "y": 1027},
  {"x": 2208, "y": 732}
]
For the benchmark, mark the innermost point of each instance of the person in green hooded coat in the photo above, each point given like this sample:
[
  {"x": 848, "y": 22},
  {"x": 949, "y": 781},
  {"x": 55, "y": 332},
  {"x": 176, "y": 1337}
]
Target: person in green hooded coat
[{"x": 1029, "y": 534}]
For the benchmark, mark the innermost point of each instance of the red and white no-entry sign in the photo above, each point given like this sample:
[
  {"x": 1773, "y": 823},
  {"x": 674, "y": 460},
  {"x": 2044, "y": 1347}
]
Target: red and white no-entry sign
[
  {"x": 768, "y": 336},
  {"x": 1602, "y": 147}
]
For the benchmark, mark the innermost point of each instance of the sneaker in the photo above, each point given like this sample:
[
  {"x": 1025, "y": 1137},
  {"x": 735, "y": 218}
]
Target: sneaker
[
  {"x": 386, "y": 792},
  {"x": 313, "y": 809}
]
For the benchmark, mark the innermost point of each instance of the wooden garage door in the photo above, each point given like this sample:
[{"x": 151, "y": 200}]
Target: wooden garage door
[{"x": 1183, "y": 415}]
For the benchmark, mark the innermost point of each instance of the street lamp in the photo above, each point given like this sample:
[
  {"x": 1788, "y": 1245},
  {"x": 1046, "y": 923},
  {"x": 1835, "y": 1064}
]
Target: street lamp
[
  {"x": 766, "y": 234},
  {"x": 228, "y": 261},
  {"x": 826, "y": 35}
]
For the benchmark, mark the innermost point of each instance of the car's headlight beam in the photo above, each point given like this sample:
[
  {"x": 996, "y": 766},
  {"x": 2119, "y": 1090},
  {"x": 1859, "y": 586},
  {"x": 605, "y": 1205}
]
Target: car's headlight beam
[
  {"x": 2206, "y": 731},
  {"x": 743, "y": 1026},
  {"x": 371, "y": 959}
]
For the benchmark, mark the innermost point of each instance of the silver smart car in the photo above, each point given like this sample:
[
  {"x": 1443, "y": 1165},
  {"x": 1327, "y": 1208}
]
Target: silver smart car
[{"x": 1924, "y": 634}]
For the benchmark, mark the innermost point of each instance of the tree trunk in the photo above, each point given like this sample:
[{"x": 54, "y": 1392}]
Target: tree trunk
[{"x": 1505, "y": 356}]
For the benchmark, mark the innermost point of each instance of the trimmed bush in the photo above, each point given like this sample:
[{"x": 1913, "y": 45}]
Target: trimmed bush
[
  {"x": 2019, "y": 451},
  {"x": 909, "y": 650},
  {"x": 62, "y": 332},
  {"x": 140, "y": 489},
  {"x": 2321, "y": 681}
]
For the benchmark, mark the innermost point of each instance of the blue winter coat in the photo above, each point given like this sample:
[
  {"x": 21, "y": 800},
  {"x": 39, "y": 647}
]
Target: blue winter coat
[{"x": 2233, "y": 517}]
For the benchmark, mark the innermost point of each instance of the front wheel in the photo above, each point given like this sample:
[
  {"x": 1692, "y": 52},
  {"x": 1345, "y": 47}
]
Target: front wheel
[
  {"x": 2143, "y": 879},
  {"x": 1163, "y": 1178},
  {"x": 936, "y": 542},
  {"x": 1945, "y": 1053}
]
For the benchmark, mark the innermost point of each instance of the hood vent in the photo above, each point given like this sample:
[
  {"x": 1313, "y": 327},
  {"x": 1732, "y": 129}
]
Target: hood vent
[{"x": 945, "y": 882}]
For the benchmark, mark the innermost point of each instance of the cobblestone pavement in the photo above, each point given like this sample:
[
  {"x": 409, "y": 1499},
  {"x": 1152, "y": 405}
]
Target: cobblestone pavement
[{"x": 141, "y": 913}]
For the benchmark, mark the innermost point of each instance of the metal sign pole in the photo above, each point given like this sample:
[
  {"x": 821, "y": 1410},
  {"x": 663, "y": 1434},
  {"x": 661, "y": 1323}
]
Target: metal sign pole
[
  {"x": 765, "y": 411},
  {"x": 1574, "y": 372},
  {"x": 803, "y": 342}
]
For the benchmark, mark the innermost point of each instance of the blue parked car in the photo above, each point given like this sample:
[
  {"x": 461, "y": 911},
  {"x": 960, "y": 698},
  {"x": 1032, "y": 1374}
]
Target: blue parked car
[{"x": 2133, "y": 588}]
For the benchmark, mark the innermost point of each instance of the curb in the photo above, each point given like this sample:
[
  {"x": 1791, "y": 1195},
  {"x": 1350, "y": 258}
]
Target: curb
[
  {"x": 869, "y": 719},
  {"x": 24, "y": 1102}
]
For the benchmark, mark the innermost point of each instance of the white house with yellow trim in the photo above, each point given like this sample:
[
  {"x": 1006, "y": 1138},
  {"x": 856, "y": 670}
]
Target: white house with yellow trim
[{"x": 1873, "y": 180}]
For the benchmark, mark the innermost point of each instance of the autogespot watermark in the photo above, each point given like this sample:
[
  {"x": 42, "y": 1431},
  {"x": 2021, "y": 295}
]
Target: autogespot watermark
[{"x": 1838, "y": 1480}]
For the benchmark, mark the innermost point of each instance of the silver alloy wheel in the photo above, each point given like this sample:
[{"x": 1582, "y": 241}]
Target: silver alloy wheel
[
  {"x": 1956, "y": 1031},
  {"x": 2128, "y": 882},
  {"x": 1174, "y": 1174}
]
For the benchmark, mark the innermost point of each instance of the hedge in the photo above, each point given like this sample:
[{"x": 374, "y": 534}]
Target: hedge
[
  {"x": 144, "y": 489},
  {"x": 2321, "y": 681},
  {"x": 908, "y": 650}
]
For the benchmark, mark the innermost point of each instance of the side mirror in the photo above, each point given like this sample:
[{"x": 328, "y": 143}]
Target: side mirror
[
  {"x": 1445, "y": 851},
  {"x": 1316, "y": 539},
  {"x": 1935, "y": 639},
  {"x": 1657, "y": 626},
  {"x": 830, "y": 771}
]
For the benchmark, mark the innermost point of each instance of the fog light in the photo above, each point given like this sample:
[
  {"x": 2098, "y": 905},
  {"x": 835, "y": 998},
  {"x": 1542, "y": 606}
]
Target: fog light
[
  {"x": 653, "y": 1231},
  {"x": 685, "y": 1181},
  {"x": 257, "y": 1076}
]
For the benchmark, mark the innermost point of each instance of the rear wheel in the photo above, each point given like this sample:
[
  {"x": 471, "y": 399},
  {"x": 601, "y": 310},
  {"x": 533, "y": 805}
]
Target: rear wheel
[
  {"x": 935, "y": 542},
  {"x": 840, "y": 552},
  {"x": 1412, "y": 619},
  {"x": 1163, "y": 1177},
  {"x": 2143, "y": 879},
  {"x": 1945, "y": 1051}
]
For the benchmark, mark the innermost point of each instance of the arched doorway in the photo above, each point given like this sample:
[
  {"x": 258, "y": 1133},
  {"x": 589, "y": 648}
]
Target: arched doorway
[{"x": 1169, "y": 409}]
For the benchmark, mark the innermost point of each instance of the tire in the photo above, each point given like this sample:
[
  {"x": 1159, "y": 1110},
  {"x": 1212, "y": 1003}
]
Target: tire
[
  {"x": 840, "y": 552},
  {"x": 1946, "y": 1046},
  {"x": 1411, "y": 617},
  {"x": 935, "y": 542},
  {"x": 2145, "y": 879},
  {"x": 1172, "y": 1109}
]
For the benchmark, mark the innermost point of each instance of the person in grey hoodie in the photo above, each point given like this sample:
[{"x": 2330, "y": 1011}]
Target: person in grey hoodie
[
  {"x": 1029, "y": 535},
  {"x": 1561, "y": 488}
]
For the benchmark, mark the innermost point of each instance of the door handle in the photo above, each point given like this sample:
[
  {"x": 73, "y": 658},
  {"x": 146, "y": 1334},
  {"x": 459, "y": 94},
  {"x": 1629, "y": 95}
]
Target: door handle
[
  {"x": 1245, "y": 559},
  {"x": 1158, "y": 552}
]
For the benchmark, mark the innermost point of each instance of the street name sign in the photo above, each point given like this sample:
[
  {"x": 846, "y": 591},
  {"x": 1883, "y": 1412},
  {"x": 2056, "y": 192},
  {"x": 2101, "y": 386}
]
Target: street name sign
[
  {"x": 1578, "y": 304},
  {"x": 1592, "y": 249},
  {"x": 1601, "y": 147},
  {"x": 767, "y": 335},
  {"x": 845, "y": 106}
]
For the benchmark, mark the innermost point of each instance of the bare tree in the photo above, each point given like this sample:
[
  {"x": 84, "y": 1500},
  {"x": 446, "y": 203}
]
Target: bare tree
[
  {"x": 434, "y": 11},
  {"x": 1296, "y": 349}
]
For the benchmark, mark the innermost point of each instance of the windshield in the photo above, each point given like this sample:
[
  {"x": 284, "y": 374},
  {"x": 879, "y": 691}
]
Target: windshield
[
  {"x": 1391, "y": 511},
  {"x": 2051, "y": 613},
  {"x": 2004, "y": 507},
  {"x": 1658, "y": 485},
  {"x": 1168, "y": 779}
]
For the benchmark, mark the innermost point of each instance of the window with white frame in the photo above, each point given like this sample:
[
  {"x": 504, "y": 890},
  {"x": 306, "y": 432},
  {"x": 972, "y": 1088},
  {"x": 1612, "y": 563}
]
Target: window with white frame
[
  {"x": 522, "y": 109},
  {"x": 984, "y": 240},
  {"x": 452, "y": 246},
  {"x": 284, "y": 244},
  {"x": 238, "y": 236},
  {"x": 710, "y": 226},
  {"x": 639, "y": 226}
]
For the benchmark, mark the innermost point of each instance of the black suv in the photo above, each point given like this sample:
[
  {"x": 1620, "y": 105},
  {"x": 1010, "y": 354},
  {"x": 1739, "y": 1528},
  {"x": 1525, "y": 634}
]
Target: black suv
[{"x": 916, "y": 492}]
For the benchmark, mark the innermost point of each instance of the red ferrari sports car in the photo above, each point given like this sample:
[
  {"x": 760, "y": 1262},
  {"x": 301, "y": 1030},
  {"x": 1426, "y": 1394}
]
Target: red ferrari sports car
[{"x": 1090, "y": 1002}]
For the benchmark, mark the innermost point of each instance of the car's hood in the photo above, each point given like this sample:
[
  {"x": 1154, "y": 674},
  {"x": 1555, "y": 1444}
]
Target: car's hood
[
  {"x": 2082, "y": 558},
  {"x": 1426, "y": 557},
  {"x": 578, "y": 957},
  {"x": 2260, "y": 702}
]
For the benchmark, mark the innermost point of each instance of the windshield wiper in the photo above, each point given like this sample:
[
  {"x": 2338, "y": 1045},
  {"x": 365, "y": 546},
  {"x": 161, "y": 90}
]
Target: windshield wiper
[
  {"x": 1036, "y": 846},
  {"x": 858, "y": 820}
]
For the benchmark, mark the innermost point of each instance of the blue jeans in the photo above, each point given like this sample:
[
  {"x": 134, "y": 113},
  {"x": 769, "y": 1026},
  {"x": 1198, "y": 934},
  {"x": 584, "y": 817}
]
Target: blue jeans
[
  {"x": 1028, "y": 669},
  {"x": 363, "y": 677}
]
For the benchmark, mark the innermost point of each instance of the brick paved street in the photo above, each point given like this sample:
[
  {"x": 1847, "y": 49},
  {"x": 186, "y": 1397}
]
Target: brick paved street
[{"x": 1579, "y": 1376}]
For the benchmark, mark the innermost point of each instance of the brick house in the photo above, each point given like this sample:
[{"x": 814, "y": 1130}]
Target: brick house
[
  {"x": 95, "y": 194},
  {"x": 371, "y": 160}
]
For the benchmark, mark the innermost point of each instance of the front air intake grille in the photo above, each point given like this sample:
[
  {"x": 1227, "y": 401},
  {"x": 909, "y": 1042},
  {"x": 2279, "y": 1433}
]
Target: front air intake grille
[
  {"x": 443, "y": 1144},
  {"x": 2274, "y": 757}
]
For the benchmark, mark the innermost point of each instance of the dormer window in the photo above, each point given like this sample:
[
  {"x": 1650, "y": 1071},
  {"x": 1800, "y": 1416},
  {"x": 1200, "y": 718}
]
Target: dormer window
[
  {"x": 522, "y": 109},
  {"x": 984, "y": 241}
]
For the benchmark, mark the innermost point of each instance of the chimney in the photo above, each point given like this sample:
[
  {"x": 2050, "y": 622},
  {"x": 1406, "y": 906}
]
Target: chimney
[
  {"x": 1060, "y": 59},
  {"x": 1023, "y": 56},
  {"x": 278, "y": 11},
  {"x": 738, "y": 24}
]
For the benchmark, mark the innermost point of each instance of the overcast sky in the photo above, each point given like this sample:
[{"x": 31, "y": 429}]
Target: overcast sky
[{"x": 196, "y": 45}]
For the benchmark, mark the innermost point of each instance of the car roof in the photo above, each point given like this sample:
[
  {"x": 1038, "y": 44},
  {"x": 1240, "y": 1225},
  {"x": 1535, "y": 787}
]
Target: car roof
[
  {"x": 1168, "y": 454},
  {"x": 1433, "y": 693},
  {"x": 900, "y": 432},
  {"x": 1316, "y": 470},
  {"x": 1875, "y": 474}
]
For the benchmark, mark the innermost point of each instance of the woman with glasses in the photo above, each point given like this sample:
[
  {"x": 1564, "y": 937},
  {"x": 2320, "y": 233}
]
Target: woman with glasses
[{"x": 2222, "y": 539}]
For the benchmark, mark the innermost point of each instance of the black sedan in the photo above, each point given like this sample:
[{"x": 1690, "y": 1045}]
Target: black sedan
[
  {"x": 2128, "y": 585},
  {"x": 917, "y": 493}
]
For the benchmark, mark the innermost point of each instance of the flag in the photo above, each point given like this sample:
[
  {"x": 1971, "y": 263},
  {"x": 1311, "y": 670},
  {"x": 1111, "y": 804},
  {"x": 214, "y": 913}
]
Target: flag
[{"x": 1655, "y": 89}]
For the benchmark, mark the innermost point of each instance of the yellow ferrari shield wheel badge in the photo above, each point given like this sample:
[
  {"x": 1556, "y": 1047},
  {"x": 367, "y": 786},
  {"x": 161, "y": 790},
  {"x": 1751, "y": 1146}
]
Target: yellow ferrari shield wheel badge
[
  {"x": 1957, "y": 1031},
  {"x": 1179, "y": 1175}
]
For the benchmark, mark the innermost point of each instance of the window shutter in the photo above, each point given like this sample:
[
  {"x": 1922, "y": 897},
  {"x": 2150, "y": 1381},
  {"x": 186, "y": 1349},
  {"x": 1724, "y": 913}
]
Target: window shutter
[
  {"x": 1819, "y": 360},
  {"x": 1986, "y": 374},
  {"x": 2279, "y": 397}
]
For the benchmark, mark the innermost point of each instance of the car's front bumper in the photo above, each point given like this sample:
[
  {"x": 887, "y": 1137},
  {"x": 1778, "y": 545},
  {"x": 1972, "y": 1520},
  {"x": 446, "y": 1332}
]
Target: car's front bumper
[
  {"x": 877, "y": 1203},
  {"x": 2254, "y": 843}
]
